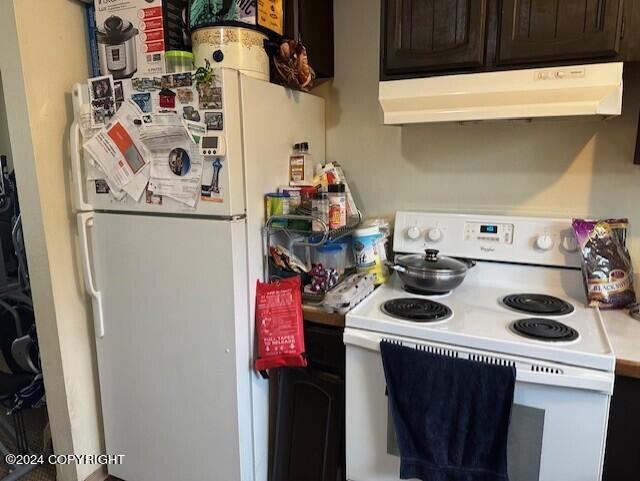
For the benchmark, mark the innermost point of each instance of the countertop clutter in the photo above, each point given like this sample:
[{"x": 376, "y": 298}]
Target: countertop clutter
[{"x": 314, "y": 230}]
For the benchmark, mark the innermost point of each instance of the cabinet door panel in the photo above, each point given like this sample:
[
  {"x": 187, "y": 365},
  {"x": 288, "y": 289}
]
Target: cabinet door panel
[
  {"x": 309, "y": 433},
  {"x": 544, "y": 30},
  {"x": 420, "y": 36}
]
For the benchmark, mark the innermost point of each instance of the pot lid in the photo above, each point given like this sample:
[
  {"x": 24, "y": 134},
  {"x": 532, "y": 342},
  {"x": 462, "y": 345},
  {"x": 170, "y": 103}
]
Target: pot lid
[
  {"x": 115, "y": 30},
  {"x": 432, "y": 262}
]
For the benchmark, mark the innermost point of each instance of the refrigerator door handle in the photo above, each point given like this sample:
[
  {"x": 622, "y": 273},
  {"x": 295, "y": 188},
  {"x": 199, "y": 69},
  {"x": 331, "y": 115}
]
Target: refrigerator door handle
[
  {"x": 76, "y": 169},
  {"x": 85, "y": 220}
]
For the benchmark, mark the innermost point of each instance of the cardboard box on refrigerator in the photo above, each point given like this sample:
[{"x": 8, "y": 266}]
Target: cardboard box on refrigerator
[{"x": 133, "y": 35}]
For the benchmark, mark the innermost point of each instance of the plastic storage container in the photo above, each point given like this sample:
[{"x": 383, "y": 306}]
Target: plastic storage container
[
  {"x": 331, "y": 256},
  {"x": 178, "y": 61},
  {"x": 368, "y": 251}
]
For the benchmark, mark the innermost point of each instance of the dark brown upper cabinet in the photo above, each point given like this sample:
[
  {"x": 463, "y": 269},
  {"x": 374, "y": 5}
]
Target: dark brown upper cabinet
[
  {"x": 311, "y": 22},
  {"x": 421, "y": 38},
  {"x": 547, "y": 30},
  {"x": 432, "y": 35}
]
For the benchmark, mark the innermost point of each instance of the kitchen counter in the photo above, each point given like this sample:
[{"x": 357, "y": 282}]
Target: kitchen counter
[
  {"x": 624, "y": 334},
  {"x": 320, "y": 316}
]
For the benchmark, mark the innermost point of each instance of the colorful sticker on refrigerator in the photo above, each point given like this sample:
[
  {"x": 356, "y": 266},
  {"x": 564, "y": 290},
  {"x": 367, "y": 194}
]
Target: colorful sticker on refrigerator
[
  {"x": 210, "y": 96},
  {"x": 102, "y": 187},
  {"x": 214, "y": 120},
  {"x": 211, "y": 191},
  {"x": 190, "y": 113},
  {"x": 118, "y": 93},
  {"x": 177, "y": 80},
  {"x": 143, "y": 101},
  {"x": 143, "y": 84},
  {"x": 185, "y": 95},
  {"x": 152, "y": 198},
  {"x": 167, "y": 99},
  {"x": 102, "y": 100}
]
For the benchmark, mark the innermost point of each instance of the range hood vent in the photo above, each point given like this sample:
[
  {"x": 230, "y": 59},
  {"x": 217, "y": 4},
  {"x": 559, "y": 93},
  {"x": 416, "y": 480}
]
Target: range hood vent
[{"x": 594, "y": 89}]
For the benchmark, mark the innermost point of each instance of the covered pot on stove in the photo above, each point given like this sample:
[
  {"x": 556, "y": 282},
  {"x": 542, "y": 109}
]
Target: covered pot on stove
[{"x": 431, "y": 273}]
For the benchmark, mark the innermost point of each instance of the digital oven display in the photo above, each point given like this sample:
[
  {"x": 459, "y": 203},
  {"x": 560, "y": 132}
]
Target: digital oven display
[
  {"x": 489, "y": 229},
  {"x": 210, "y": 142}
]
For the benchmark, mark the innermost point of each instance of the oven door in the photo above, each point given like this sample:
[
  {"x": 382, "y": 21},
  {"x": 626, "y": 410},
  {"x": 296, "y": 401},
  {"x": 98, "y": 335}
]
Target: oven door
[{"x": 558, "y": 424}]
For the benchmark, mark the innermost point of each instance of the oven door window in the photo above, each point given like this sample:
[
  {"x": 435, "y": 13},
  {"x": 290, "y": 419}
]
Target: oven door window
[{"x": 524, "y": 449}]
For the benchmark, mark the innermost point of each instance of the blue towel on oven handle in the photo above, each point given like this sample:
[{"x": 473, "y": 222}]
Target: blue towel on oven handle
[{"x": 451, "y": 415}]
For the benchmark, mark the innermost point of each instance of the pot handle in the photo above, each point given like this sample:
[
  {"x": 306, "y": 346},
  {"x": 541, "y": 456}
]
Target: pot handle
[
  {"x": 395, "y": 267},
  {"x": 470, "y": 262}
]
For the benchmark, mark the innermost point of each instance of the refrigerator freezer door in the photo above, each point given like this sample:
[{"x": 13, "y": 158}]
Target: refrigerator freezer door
[
  {"x": 174, "y": 362},
  {"x": 92, "y": 195}
]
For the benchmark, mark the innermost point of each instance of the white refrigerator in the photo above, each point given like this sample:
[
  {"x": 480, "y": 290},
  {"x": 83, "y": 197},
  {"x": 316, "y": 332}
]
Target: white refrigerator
[{"x": 173, "y": 293}]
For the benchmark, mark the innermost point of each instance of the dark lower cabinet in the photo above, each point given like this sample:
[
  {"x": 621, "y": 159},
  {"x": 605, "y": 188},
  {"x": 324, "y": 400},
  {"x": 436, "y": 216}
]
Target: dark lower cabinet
[
  {"x": 543, "y": 30},
  {"x": 622, "y": 456},
  {"x": 309, "y": 424},
  {"x": 432, "y": 35}
]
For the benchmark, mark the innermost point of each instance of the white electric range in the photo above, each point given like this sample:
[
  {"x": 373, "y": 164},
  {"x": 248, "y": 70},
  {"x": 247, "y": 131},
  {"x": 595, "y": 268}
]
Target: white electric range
[{"x": 523, "y": 304}]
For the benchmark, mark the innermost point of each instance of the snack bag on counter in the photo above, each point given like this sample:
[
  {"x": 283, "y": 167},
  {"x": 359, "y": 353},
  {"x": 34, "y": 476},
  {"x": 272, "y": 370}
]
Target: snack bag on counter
[
  {"x": 279, "y": 324},
  {"x": 606, "y": 264}
]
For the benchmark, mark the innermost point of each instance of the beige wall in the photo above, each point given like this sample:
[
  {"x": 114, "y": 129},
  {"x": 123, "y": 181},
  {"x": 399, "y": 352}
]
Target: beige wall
[
  {"x": 38, "y": 73},
  {"x": 5, "y": 145},
  {"x": 549, "y": 168}
]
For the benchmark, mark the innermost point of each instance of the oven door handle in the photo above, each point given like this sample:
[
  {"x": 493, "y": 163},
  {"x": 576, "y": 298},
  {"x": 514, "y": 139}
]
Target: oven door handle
[{"x": 527, "y": 370}]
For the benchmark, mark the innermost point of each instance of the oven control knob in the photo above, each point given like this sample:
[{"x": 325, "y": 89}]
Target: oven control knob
[
  {"x": 544, "y": 242},
  {"x": 434, "y": 235},
  {"x": 569, "y": 244},
  {"x": 413, "y": 233}
]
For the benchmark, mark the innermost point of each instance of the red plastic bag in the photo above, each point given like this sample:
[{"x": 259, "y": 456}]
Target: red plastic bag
[{"x": 279, "y": 324}]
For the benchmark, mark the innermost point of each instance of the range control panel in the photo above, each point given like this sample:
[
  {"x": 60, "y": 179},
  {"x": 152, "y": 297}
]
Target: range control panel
[
  {"x": 527, "y": 240},
  {"x": 497, "y": 233}
]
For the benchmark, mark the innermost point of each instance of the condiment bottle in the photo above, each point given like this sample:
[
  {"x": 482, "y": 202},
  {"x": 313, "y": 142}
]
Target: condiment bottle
[
  {"x": 300, "y": 165},
  {"x": 319, "y": 210},
  {"x": 337, "y": 206}
]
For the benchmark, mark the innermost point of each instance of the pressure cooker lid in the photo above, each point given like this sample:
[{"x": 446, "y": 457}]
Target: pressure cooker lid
[
  {"x": 431, "y": 262},
  {"x": 115, "y": 31}
]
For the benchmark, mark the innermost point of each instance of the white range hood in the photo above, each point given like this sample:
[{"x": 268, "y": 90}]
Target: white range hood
[{"x": 594, "y": 89}]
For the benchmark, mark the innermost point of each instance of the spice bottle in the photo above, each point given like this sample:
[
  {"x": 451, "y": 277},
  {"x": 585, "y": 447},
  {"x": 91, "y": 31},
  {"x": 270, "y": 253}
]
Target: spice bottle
[
  {"x": 319, "y": 210},
  {"x": 337, "y": 206},
  {"x": 300, "y": 165}
]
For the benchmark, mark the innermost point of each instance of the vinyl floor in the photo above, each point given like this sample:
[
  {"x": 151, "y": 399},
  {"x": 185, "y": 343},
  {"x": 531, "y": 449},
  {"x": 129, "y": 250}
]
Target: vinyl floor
[{"x": 35, "y": 422}]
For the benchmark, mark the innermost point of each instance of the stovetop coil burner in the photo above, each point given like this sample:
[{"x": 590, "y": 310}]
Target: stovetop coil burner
[
  {"x": 541, "y": 304},
  {"x": 416, "y": 310},
  {"x": 543, "y": 329}
]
